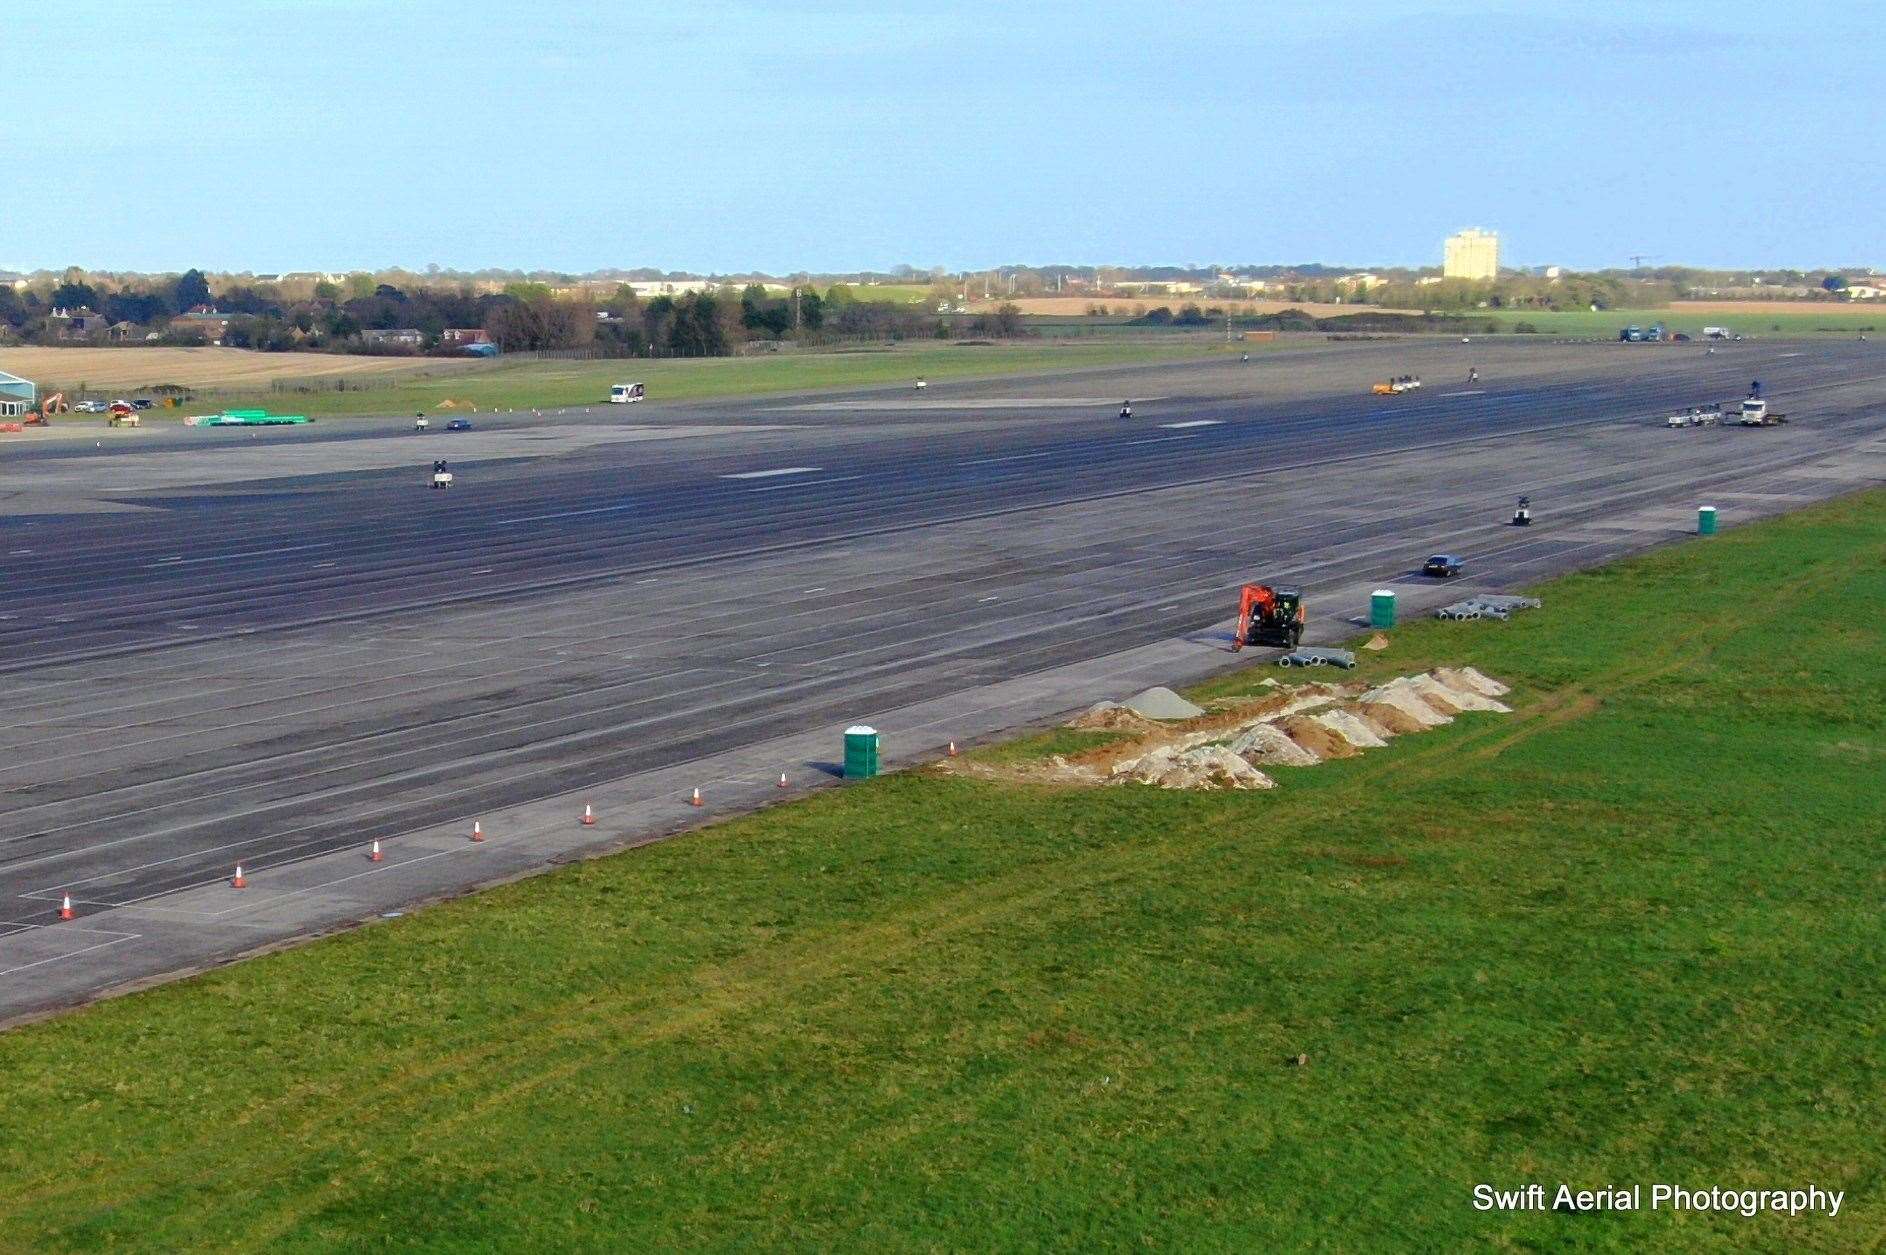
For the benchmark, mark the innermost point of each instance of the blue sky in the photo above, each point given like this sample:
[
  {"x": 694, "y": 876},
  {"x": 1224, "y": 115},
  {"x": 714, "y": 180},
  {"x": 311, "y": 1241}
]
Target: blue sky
[{"x": 836, "y": 136}]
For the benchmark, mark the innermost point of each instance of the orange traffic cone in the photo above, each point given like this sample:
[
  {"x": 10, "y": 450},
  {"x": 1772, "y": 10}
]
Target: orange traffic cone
[
  {"x": 374, "y": 856},
  {"x": 952, "y": 749},
  {"x": 65, "y": 907},
  {"x": 237, "y": 882},
  {"x": 696, "y": 799},
  {"x": 589, "y": 816},
  {"x": 782, "y": 779},
  {"x": 478, "y": 831}
]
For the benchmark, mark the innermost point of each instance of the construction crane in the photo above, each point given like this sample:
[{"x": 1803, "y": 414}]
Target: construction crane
[{"x": 1638, "y": 260}]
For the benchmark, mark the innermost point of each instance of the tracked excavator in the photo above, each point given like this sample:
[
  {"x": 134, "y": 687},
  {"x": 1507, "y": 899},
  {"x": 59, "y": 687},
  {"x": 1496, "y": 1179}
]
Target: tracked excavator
[{"x": 1269, "y": 614}]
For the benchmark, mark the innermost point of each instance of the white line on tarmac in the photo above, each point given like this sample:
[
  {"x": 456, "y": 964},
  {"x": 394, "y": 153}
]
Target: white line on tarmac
[
  {"x": 1160, "y": 439},
  {"x": 1197, "y": 422},
  {"x": 1470, "y": 392},
  {"x": 807, "y": 483},
  {"x": 1013, "y": 457},
  {"x": 569, "y": 514},
  {"x": 782, "y": 470},
  {"x": 231, "y": 557}
]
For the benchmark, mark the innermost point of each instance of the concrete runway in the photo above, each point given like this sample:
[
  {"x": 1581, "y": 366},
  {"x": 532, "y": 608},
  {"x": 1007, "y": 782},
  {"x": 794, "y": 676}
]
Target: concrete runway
[{"x": 274, "y": 647}]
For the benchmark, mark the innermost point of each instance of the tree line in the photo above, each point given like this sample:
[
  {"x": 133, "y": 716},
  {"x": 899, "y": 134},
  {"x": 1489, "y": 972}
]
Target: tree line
[{"x": 523, "y": 317}]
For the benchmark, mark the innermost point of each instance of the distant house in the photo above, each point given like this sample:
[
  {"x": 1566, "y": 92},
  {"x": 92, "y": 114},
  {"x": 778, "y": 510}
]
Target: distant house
[
  {"x": 393, "y": 337},
  {"x": 126, "y": 330},
  {"x": 73, "y": 325},
  {"x": 461, "y": 337},
  {"x": 204, "y": 322}
]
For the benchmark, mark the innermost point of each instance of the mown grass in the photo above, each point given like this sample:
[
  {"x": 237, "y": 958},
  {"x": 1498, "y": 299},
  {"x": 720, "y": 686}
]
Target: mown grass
[
  {"x": 1820, "y": 319},
  {"x": 509, "y": 384},
  {"x": 1629, "y": 933}
]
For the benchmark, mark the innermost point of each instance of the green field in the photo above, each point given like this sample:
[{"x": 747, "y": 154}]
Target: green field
[
  {"x": 516, "y": 383},
  {"x": 1829, "y": 319},
  {"x": 1630, "y": 933}
]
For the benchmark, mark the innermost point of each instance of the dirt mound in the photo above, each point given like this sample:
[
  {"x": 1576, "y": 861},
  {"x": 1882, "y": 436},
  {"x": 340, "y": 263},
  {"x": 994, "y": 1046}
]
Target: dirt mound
[
  {"x": 1162, "y": 703},
  {"x": 1316, "y": 738},
  {"x": 1351, "y": 728},
  {"x": 1470, "y": 678},
  {"x": 1269, "y": 744},
  {"x": 1386, "y": 720},
  {"x": 1378, "y": 641},
  {"x": 1206, "y": 767},
  {"x": 1433, "y": 690},
  {"x": 1400, "y": 695},
  {"x": 1110, "y": 716}
]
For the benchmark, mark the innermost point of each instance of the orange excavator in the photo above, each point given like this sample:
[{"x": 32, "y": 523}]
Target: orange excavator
[
  {"x": 1270, "y": 614},
  {"x": 54, "y": 404}
]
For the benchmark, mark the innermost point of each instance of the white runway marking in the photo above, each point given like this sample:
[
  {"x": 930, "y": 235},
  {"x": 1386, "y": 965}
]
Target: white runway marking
[
  {"x": 783, "y": 470},
  {"x": 569, "y": 514},
  {"x": 1159, "y": 440},
  {"x": 1469, "y": 392},
  {"x": 808, "y": 483},
  {"x": 231, "y": 557},
  {"x": 1013, "y": 457},
  {"x": 1197, "y": 422}
]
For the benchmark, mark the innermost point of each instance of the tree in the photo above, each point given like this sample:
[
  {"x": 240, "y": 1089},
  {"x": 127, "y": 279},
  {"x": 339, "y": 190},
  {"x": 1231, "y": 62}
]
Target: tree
[
  {"x": 72, "y": 295},
  {"x": 191, "y": 290},
  {"x": 1834, "y": 283}
]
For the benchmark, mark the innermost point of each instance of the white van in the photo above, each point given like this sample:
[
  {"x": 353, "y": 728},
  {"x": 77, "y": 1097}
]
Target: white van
[{"x": 626, "y": 393}]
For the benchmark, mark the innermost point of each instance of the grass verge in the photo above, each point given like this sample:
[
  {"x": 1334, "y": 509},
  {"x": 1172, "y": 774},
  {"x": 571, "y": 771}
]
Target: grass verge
[
  {"x": 1629, "y": 933},
  {"x": 520, "y": 384}
]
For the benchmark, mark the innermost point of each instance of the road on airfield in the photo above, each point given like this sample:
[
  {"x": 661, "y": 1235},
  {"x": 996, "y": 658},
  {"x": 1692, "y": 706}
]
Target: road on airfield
[{"x": 275, "y": 647}]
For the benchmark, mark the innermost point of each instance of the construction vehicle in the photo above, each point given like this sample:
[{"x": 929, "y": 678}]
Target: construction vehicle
[
  {"x": 1522, "y": 513},
  {"x": 122, "y": 415},
  {"x": 1755, "y": 413},
  {"x": 1269, "y": 614},
  {"x": 1396, "y": 386},
  {"x": 441, "y": 478},
  {"x": 1695, "y": 416}
]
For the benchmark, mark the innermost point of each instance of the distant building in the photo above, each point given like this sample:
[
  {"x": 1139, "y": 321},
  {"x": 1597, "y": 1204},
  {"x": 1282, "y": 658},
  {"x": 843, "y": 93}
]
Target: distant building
[
  {"x": 1471, "y": 254},
  {"x": 1554, "y": 272},
  {"x": 76, "y": 324},
  {"x": 1862, "y": 292},
  {"x": 16, "y": 395},
  {"x": 204, "y": 322},
  {"x": 394, "y": 337},
  {"x": 463, "y": 336}
]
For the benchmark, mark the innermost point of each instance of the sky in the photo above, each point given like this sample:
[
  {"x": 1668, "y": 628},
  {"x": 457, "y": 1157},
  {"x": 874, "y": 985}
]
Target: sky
[{"x": 861, "y": 134}]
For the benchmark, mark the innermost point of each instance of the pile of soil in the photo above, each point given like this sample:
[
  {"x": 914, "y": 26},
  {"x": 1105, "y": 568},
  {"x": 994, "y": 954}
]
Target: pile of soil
[
  {"x": 1206, "y": 767},
  {"x": 1162, "y": 703},
  {"x": 1351, "y": 728},
  {"x": 1434, "y": 691},
  {"x": 1315, "y": 738},
  {"x": 1400, "y": 695},
  {"x": 1271, "y": 745},
  {"x": 1111, "y": 716},
  {"x": 1469, "y": 679},
  {"x": 1387, "y": 720}
]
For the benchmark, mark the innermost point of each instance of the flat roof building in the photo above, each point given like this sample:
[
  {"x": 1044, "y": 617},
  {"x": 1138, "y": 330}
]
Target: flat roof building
[
  {"x": 16, "y": 395},
  {"x": 1471, "y": 254}
]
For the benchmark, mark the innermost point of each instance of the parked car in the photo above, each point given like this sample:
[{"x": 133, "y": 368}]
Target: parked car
[
  {"x": 89, "y": 407},
  {"x": 141, "y": 403},
  {"x": 459, "y": 424},
  {"x": 1442, "y": 566}
]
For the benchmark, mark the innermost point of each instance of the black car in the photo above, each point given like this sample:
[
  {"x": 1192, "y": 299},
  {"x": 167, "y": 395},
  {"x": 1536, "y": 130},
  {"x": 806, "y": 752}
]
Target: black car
[
  {"x": 1442, "y": 566},
  {"x": 459, "y": 424},
  {"x": 140, "y": 403}
]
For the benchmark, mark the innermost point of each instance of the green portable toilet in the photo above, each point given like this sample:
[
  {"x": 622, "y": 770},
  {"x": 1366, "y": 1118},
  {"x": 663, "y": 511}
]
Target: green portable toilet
[
  {"x": 1706, "y": 521},
  {"x": 861, "y": 752},
  {"x": 1382, "y": 608}
]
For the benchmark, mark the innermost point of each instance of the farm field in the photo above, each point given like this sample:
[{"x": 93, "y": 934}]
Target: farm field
[
  {"x": 1076, "y": 306},
  {"x": 934, "y": 1012},
  {"x": 206, "y": 368},
  {"x": 404, "y": 385}
]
